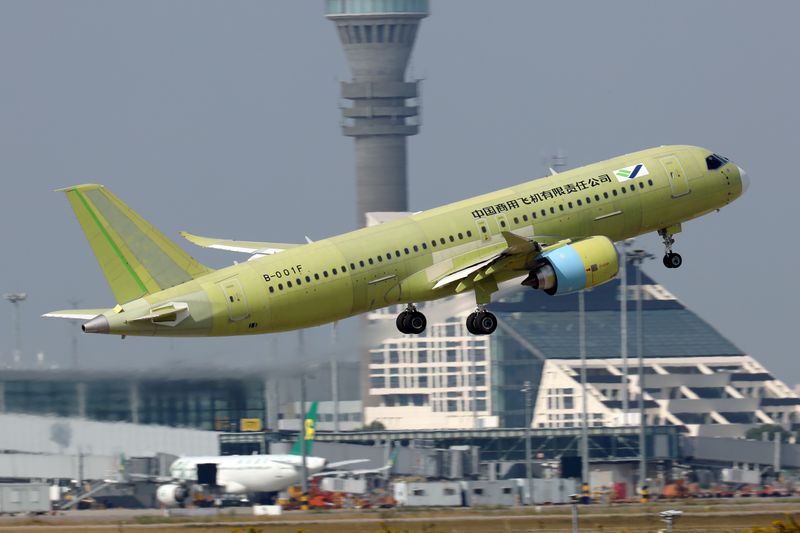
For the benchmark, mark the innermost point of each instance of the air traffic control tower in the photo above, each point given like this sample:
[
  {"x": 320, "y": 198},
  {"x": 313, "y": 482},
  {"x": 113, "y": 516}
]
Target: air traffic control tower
[{"x": 378, "y": 36}]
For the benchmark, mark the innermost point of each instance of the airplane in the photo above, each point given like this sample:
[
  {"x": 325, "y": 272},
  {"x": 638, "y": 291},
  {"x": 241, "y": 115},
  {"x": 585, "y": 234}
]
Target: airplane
[
  {"x": 556, "y": 233},
  {"x": 259, "y": 477}
]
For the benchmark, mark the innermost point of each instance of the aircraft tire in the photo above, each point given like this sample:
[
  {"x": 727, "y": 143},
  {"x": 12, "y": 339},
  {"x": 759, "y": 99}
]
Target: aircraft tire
[
  {"x": 415, "y": 323},
  {"x": 675, "y": 260},
  {"x": 470, "y": 322},
  {"x": 486, "y": 323},
  {"x": 401, "y": 322}
]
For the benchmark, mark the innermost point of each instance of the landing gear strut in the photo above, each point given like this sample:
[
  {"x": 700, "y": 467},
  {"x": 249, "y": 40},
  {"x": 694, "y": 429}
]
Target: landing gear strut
[
  {"x": 671, "y": 259},
  {"x": 411, "y": 321},
  {"x": 481, "y": 322}
]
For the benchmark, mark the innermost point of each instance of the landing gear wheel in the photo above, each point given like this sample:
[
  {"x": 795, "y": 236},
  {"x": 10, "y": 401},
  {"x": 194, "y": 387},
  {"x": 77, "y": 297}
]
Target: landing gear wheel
[
  {"x": 401, "y": 321},
  {"x": 481, "y": 323},
  {"x": 673, "y": 260},
  {"x": 486, "y": 323},
  {"x": 415, "y": 323},
  {"x": 411, "y": 322},
  {"x": 471, "y": 323}
]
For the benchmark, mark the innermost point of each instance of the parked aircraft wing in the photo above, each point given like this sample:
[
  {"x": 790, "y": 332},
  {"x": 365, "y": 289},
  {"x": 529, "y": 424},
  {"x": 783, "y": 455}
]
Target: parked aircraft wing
[{"x": 248, "y": 247}]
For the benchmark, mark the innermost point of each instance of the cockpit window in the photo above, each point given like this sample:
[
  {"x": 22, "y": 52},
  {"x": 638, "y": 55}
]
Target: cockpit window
[{"x": 714, "y": 161}]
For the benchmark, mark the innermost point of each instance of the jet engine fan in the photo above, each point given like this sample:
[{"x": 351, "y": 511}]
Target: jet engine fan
[
  {"x": 172, "y": 494},
  {"x": 572, "y": 267}
]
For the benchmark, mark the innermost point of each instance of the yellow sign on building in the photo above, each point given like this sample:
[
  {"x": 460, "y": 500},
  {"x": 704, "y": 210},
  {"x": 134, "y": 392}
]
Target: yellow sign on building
[{"x": 250, "y": 424}]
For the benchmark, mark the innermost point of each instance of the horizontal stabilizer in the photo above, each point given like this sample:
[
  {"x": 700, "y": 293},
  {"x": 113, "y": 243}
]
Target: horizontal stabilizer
[
  {"x": 75, "y": 314},
  {"x": 247, "y": 247}
]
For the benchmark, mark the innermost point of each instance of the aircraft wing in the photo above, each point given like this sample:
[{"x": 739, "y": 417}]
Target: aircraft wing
[
  {"x": 519, "y": 254},
  {"x": 348, "y": 462},
  {"x": 247, "y": 247}
]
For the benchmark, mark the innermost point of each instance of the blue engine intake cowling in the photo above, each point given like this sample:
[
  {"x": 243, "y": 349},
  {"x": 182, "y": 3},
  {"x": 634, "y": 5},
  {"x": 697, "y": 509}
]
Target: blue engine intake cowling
[{"x": 576, "y": 266}]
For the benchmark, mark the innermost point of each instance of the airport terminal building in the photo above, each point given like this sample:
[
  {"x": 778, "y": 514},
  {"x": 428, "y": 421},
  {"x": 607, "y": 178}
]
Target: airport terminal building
[{"x": 446, "y": 378}]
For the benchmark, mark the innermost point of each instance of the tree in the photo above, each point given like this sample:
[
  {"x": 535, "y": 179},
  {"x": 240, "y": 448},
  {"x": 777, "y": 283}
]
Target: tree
[{"x": 770, "y": 429}]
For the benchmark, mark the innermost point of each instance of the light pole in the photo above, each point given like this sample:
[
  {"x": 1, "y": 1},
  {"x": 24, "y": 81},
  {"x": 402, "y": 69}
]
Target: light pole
[
  {"x": 623, "y": 327},
  {"x": 15, "y": 298},
  {"x": 637, "y": 258},
  {"x": 527, "y": 389},
  {"x": 584, "y": 413}
]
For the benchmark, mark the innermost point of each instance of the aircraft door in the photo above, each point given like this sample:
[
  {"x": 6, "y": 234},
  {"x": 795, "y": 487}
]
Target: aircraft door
[
  {"x": 207, "y": 474},
  {"x": 235, "y": 299},
  {"x": 678, "y": 181}
]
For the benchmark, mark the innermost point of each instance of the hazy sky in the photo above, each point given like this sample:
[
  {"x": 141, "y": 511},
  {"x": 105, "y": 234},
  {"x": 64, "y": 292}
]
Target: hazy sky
[{"x": 221, "y": 118}]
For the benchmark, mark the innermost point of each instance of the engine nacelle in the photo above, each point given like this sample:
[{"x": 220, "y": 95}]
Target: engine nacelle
[
  {"x": 570, "y": 268},
  {"x": 171, "y": 495}
]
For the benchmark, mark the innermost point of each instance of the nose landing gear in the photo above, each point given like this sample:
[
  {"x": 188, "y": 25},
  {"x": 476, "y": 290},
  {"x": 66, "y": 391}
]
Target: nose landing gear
[
  {"x": 671, "y": 259},
  {"x": 481, "y": 322},
  {"x": 411, "y": 321}
]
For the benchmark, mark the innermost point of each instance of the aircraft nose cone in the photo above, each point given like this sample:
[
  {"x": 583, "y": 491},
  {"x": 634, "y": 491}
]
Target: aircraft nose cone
[{"x": 745, "y": 179}]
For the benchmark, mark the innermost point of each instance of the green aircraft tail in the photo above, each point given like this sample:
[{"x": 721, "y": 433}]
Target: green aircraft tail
[
  {"x": 309, "y": 432},
  {"x": 135, "y": 257}
]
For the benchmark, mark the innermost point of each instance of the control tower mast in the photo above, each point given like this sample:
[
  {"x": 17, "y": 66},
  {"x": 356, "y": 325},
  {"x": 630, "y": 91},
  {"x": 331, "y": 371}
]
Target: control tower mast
[{"x": 378, "y": 36}]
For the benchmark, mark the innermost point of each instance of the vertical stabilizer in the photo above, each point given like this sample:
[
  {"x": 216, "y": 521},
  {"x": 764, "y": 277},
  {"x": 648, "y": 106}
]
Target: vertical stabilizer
[
  {"x": 309, "y": 432},
  {"x": 135, "y": 257}
]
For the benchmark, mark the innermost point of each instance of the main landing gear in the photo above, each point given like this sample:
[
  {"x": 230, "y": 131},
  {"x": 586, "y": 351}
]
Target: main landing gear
[
  {"x": 411, "y": 321},
  {"x": 481, "y": 322},
  {"x": 671, "y": 259}
]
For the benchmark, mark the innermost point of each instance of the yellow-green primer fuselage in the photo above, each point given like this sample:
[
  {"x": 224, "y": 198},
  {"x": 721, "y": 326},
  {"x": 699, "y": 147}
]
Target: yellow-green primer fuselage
[{"x": 401, "y": 261}]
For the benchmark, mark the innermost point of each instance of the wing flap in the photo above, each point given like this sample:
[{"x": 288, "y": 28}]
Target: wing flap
[{"x": 231, "y": 245}]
